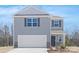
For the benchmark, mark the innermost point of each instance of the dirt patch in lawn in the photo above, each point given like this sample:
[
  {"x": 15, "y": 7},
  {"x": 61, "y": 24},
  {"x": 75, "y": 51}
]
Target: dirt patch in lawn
[
  {"x": 71, "y": 49},
  {"x": 5, "y": 49}
]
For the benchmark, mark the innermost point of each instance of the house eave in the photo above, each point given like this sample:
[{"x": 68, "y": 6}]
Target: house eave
[{"x": 33, "y": 16}]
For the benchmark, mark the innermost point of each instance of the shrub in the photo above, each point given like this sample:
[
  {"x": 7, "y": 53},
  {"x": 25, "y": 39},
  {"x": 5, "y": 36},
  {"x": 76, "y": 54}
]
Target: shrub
[
  {"x": 62, "y": 46},
  {"x": 69, "y": 42}
]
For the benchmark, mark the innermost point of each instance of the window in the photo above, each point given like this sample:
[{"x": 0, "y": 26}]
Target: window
[
  {"x": 56, "y": 23},
  {"x": 60, "y": 39},
  {"x": 35, "y": 22},
  {"x": 32, "y": 22}
]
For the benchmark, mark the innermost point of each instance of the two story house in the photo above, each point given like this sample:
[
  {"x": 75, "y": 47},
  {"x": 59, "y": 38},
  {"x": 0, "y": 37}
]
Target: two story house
[{"x": 35, "y": 28}]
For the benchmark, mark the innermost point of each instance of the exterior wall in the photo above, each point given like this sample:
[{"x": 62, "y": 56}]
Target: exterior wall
[
  {"x": 58, "y": 31},
  {"x": 44, "y": 29},
  {"x": 57, "y": 42},
  {"x": 20, "y": 29}
]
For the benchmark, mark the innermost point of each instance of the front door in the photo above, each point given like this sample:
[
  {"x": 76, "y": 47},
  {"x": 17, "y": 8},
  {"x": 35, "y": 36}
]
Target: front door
[{"x": 53, "y": 40}]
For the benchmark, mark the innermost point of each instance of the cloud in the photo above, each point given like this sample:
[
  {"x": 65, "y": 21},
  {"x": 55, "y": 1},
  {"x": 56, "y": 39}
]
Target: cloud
[
  {"x": 10, "y": 10},
  {"x": 6, "y": 13}
]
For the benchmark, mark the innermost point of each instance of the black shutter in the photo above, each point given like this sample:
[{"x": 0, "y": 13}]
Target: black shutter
[
  {"x": 59, "y": 23},
  {"x": 38, "y": 21},
  {"x": 52, "y": 23},
  {"x": 24, "y": 21}
]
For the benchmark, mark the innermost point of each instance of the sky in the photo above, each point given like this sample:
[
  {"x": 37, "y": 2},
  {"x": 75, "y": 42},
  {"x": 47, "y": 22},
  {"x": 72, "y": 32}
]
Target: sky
[{"x": 69, "y": 12}]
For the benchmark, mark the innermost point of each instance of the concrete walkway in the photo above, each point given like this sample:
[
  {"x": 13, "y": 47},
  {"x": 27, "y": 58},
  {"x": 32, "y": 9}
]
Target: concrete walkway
[{"x": 29, "y": 50}]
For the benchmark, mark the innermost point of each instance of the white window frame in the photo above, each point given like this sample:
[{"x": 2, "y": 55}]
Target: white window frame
[
  {"x": 55, "y": 22},
  {"x": 32, "y": 22}
]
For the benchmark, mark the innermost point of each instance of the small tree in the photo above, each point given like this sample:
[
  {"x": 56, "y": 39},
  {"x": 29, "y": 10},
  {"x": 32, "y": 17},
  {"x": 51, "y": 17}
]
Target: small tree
[{"x": 69, "y": 41}]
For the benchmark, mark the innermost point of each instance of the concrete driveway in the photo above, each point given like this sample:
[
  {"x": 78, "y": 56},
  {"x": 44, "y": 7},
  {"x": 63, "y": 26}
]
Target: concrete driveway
[{"x": 29, "y": 50}]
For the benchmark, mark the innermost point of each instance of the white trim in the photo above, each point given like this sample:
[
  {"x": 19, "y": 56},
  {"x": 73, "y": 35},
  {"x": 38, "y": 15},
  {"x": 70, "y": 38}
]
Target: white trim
[
  {"x": 50, "y": 32},
  {"x": 42, "y": 16},
  {"x": 64, "y": 38},
  {"x": 57, "y": 33},
  {"x": 13, "y": 33},
  {"x": 57, "y": 18},
  {"x": 32, "y": 16}
]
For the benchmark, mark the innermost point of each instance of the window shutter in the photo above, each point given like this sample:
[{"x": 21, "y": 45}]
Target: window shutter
[
  {"x": 59, "y": 23},
  {"x": 24, "y": 21},
  {"x": 38, "y": 21},
  {"x": 52, "y": 23}
]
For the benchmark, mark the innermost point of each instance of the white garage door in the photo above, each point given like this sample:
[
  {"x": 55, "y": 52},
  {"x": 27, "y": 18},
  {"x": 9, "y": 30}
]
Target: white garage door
[{"x": 32, "y": 41}]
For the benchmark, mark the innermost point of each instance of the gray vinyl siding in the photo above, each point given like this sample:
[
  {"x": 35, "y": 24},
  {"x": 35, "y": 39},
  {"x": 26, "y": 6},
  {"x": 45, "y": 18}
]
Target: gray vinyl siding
[
  {"x": 57, "y": 42},
  {"x": 20, "y": 29}
]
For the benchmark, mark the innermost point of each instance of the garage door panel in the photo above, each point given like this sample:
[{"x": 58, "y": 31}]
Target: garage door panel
[{"x": 32, "y": 41}]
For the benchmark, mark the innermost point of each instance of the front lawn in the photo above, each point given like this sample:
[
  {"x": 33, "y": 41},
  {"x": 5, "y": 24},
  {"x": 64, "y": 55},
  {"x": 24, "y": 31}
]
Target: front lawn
[{"x": 5, "y": 49}]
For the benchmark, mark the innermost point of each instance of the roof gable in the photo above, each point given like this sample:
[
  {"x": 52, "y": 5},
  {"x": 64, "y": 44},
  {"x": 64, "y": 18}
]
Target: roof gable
[{"x": 31, "y": 10}]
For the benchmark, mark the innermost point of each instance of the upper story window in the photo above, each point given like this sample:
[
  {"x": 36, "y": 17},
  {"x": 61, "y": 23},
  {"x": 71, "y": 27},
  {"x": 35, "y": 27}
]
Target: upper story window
[
  {"x": 32, "y": 22},
  {"x": 56, "y": 23}
]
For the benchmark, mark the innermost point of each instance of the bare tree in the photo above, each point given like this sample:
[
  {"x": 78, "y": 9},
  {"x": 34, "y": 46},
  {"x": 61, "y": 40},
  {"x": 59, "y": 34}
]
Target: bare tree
[
  {"x": 75, "y": 37},
  {"x": 6, "y": 35}
]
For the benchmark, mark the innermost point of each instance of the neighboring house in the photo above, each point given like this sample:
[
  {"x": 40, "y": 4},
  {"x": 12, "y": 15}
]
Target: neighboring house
[{"x": 34, "y": 28}]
